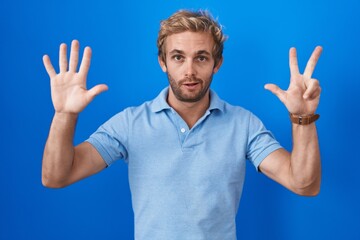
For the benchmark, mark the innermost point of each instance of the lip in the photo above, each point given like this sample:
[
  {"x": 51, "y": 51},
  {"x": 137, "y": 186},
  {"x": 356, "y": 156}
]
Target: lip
[{"x": 191, "y": 85}]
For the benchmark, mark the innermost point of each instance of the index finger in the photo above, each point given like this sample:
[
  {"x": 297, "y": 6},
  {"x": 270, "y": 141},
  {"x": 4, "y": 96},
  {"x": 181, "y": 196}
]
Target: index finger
[
  {"x": 85, "y": 62},
  {"x": 310, "y": 66},
  {"x": 293, "y": 62}
]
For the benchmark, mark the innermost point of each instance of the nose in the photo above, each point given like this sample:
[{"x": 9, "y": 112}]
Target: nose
[{"x": 190, "y": 70}]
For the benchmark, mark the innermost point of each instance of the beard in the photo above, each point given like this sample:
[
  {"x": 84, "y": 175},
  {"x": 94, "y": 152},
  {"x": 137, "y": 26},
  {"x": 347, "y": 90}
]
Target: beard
[{"x": 190, "y": 95}]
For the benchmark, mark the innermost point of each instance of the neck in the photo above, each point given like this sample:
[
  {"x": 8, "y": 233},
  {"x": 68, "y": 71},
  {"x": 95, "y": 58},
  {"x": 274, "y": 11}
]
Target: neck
[{"x": 190, "y": 112}]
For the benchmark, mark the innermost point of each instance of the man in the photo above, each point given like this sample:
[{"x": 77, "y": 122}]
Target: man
[{"x": 186, "y": 149}]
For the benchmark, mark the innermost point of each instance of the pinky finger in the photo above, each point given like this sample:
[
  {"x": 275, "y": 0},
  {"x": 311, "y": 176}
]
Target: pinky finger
[
  {"x": 313, "y": 89},
  {"x": 48, "y": 66},
  {"x": 315, "y": 94}
]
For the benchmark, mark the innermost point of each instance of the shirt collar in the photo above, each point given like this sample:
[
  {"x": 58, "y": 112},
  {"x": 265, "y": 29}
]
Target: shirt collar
[{"x": 160, "y": 102}]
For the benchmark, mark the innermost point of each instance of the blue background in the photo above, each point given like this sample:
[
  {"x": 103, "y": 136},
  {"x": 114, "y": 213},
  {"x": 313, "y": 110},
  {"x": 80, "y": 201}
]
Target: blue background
[{"x": 122, "y": 35}]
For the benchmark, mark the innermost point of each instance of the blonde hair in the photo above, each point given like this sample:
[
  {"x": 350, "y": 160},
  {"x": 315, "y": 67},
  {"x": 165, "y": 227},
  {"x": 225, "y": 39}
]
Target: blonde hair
[{"x": 194, "y": 21}]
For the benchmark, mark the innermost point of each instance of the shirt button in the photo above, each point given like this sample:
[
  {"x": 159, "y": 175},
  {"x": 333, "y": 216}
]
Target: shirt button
[{"x": 182, "y": 130}]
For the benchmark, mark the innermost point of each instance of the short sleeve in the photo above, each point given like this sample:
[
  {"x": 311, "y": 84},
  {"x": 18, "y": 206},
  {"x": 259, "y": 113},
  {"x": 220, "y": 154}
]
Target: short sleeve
[
  {"x": 110, "y": 139},
  {"x": 261, "y": 142}
]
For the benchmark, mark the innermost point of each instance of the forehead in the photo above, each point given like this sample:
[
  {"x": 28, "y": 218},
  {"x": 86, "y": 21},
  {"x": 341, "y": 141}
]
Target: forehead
[{"x": 190, "y": 42}]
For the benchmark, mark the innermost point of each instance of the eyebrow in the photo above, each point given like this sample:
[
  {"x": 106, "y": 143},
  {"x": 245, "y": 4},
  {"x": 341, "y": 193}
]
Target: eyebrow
[
  {"x": 177, "y": 51},
  {"x": 204, "y": 52}
]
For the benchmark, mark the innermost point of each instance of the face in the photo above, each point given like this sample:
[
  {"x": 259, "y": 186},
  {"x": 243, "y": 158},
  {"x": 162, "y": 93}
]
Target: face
[{"x": 189, "y": 65}]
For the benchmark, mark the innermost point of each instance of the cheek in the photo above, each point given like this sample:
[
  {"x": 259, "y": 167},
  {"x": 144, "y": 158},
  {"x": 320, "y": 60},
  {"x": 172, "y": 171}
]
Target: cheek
[
  {"x": 173, "y": 71},
  {"x": 208, "y": 72}
]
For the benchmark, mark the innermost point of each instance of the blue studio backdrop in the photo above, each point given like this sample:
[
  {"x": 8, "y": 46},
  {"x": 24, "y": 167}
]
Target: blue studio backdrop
[{"x": 123, "y": 36}]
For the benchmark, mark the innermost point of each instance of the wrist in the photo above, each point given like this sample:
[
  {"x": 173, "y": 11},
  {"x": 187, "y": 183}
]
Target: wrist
[
  {"x": 303, "y": 119},
  {"x": 66, "y": 117}
]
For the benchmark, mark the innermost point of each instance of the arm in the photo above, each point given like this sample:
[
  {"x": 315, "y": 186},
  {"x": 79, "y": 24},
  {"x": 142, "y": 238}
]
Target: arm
[
  {"x": 300, "y": 170},
  {"x": 64, "y": 164}
]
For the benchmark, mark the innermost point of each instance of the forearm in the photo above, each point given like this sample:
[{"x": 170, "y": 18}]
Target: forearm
[
  {"x": 305, "y": 165},
  {"x": 59, "y": 150}
]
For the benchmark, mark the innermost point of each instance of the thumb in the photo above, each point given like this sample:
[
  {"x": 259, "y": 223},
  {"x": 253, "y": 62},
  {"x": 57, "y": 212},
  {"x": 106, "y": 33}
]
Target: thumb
[
  {"x": 96, "y": 90},
  {"x": 276, "y": 91}
]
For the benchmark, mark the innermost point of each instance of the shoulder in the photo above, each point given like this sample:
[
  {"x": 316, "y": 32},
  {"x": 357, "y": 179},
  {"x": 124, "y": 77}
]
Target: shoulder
[
  {"x": 237, "y": 111},
  {"x": 143, "y": 111},
  {"x": 132, "y": 112},
  {"x": 152, "y": 106},
  {"x": 235, "y": 114},
  {"x": 217, "y": 103}
]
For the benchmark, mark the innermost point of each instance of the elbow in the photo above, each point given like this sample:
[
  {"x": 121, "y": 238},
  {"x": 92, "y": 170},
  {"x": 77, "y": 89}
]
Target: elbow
[
  {"x": 309, "y": 189},
  {"x": 308, "y": 192},
  {"x": 51, "y": 178},
  {"x": 51, "y": 183}
]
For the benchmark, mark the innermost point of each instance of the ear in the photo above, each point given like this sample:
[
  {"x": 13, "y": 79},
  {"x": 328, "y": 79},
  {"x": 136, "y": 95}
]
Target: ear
[
  {"x": 162, "y": 64},
  {"x": 218, "y": 65}
]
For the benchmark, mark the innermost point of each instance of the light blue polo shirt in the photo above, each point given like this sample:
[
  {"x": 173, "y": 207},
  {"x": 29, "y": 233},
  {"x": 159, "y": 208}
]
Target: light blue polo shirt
[{"x": 185, "y": 183}]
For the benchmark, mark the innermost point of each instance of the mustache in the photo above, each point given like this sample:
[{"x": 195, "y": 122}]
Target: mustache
[{"x": 190, "y": 80}]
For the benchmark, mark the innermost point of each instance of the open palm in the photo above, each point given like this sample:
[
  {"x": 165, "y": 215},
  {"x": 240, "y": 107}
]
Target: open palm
[{"x": 68, "y": 88}]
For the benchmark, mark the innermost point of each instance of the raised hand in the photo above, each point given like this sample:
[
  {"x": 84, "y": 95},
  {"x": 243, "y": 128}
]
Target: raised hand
[
  {"x": 68, "y": 88},
  {"x": 303, "y": 94}
]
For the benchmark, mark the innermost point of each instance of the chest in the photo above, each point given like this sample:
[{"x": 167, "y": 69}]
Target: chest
[{"x": 166, "y": 150}]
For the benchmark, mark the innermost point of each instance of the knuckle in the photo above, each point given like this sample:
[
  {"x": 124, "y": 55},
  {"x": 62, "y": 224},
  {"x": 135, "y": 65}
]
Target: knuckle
[{"x": 315, "y": 81}]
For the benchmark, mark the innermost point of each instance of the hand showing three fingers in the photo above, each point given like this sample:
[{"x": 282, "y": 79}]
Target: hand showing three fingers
[
  {"x": 68, "y": 88},
  {"x": 303, "y": 94}
]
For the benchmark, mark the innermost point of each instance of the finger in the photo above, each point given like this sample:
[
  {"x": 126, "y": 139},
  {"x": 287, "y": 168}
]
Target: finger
[
  {"x": 48, "y": 66},
  {"x": 276, "y": 90},
  {"x": 74, "y": 56},
  {"x": 315, "y": 94},
  {"x": 312, "y": 89},
  {"x": 94, "y": 91},
  {"x": 310, "y": 66},
  {"x": 85, "y": 62},
  {"x": 63, "y": 63},
  {"x": 293, "y": 62}
]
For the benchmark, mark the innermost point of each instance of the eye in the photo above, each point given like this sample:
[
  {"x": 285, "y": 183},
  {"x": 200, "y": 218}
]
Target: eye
[
  {"x": 177, "y": 58},
  {"x": 202, "y": 58}
]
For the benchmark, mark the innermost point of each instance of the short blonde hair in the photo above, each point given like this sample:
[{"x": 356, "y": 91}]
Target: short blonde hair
[{"x": 194, "y": 21}]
